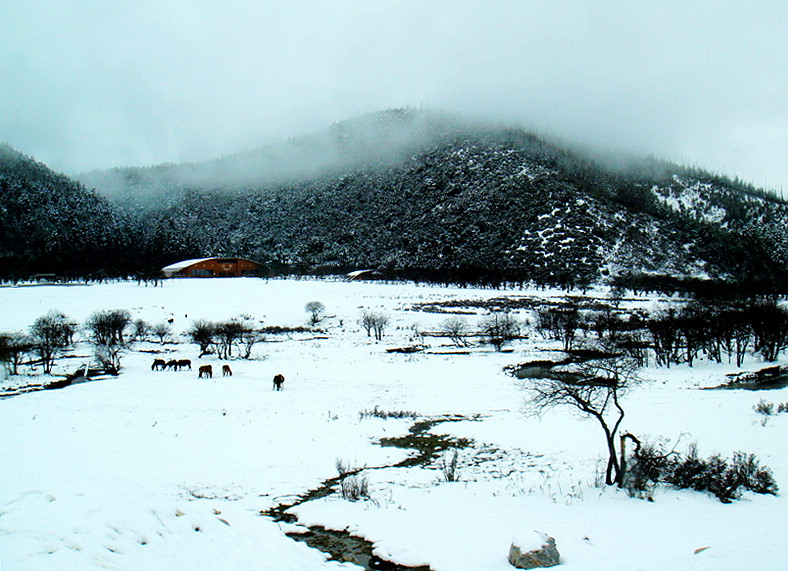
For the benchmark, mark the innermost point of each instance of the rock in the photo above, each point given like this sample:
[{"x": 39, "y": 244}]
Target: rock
[{"x": 533, "y": 551}]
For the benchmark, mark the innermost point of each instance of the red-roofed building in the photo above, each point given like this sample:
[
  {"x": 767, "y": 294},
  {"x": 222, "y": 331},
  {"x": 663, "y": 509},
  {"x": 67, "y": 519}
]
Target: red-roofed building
[{"x": 211, "y": 268}]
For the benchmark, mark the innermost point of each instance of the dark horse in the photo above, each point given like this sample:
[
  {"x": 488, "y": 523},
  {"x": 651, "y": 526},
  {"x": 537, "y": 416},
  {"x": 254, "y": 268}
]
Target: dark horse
[
  {"x": 158, "y": 365},
  {"x": 205, "y": 371},
  {"x": 279, "y": 380}
]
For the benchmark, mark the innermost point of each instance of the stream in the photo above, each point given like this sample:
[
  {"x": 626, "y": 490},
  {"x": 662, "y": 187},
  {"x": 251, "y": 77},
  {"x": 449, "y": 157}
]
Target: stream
[{"x": 343, "y": 546}]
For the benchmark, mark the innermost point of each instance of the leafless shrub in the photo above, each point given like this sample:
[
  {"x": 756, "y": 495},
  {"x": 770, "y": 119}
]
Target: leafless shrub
[
  {"x": 353, "y": 485},
  {"x": 449, "y": 470},
  {"x": 378, "y": 413}
]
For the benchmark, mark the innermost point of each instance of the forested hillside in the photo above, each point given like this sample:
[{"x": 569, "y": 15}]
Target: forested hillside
[
  {"x": 51, "y": 224},
  {"x": 426, "y": 196}
]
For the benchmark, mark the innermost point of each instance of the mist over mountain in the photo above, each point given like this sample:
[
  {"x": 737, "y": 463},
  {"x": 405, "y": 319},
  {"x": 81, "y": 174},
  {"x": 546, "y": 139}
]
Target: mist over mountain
[
  {"x": 427, "y": 196},
  {"x": 369, "y": 141}
]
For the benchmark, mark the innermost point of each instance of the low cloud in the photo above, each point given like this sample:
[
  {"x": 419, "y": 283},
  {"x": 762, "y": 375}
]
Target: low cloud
[{"x": 93, "y": 84}]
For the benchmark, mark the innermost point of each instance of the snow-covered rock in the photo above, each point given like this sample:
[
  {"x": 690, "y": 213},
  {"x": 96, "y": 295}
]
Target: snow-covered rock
[{"x": 533, "y": 550}]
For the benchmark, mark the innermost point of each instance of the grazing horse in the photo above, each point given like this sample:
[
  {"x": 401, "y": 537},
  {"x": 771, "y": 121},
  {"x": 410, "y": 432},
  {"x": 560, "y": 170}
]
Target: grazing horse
[
  {"x": 206, "y": 371},
  {"x": 158, "y": 365},
  {"x": 227, "y": 371},
  {"x": 172, "y": 364},
  {"x": 185, "y": 363},
  {"x": 279, "y": 380}
]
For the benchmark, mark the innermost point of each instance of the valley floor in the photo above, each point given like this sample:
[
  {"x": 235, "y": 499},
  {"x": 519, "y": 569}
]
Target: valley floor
[{"x": 162, "y": 470}]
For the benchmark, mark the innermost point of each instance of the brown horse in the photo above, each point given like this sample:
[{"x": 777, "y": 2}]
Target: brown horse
[
  {"x": 279, "y": 380},
  {"x": 205, "y": 371},
  {"x": 185, "y": 363},
  {"x": 227, "y": 371},
  {"x": 158, "y": 365}
]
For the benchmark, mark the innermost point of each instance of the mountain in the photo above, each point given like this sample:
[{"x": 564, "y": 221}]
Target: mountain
[
  {"x": 52, "y": 224},
  {"x": 426, "y": 195},
  {"x": 422, "y": 195}
]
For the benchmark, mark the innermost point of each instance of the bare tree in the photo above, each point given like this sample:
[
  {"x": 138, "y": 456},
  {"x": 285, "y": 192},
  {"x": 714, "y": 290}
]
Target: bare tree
[
  {"x": 374, "y": 322},
  {"x": 560, "y": 324},
  {"x": 456, "y": 328},
  {"x": 379, "y": 325},
  {"x": 202, "y": 333},
  {"x": 141, "y": 330},
  {"x": 162, "y": 331},
  {"x": 226, "y": 334},
  {"x": 51, "y": 333},
  {"x": 237, "y": 332},
  {"x": 107, "y": 331},
  {"x": 248, "y": 339},
  {"x": 367, "y": 321},
  {"x": 13, "y": 347},
  {"x": 769, "y": 324},
  {"x": 315, "y": 309},
  {"x": 500, "y": 328},
  {"x": 109, "y": 326},
  {"x": 595, "y": 391}
]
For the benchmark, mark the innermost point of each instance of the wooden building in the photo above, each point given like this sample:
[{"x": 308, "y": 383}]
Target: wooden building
[{"x": 211, "y": 268}]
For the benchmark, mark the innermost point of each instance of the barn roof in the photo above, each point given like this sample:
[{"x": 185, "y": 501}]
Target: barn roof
[
  {"x": 178, "y": 266},
  {"x": 361, "y": 274}
]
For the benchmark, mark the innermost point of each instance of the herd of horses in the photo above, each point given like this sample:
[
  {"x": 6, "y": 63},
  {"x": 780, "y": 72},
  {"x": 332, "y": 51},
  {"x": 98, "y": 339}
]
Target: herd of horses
[
  {"x": 204, "y": 371},
  {"x": 173, "y": 365}
]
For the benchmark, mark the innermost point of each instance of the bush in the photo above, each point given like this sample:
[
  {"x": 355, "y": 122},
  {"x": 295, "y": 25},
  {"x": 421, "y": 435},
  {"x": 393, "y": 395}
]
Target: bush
[
  {"x": 764, "y": 408},
  {"x": 353, "y": 485},
  {"x": 449, "y": 471},
  {"x": 645, "y": 469},
  {"x": 726, "y": 479},
  {"x": 378, "y": 413}
]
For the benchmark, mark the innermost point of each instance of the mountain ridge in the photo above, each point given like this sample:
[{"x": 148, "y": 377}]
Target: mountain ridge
[{"x": 427, "y": 196}]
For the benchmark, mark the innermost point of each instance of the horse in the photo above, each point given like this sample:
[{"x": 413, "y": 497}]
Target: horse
[
  {"x": 158, "y": 365},
  {"x": 227, "y": 371},
  {"x": 279, "y": 380},
  {"x": 185, "y": 363},
  {"x": 172, "y": 364},
  {"x": 205, "y": 371}
]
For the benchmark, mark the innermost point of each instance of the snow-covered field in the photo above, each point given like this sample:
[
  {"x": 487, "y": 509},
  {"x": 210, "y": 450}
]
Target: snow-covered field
[{"x": 161, "y": 470}]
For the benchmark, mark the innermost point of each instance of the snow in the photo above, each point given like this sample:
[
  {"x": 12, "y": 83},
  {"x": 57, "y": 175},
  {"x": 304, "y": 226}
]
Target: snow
[
  {"x": 693, "y": 196},
  {"x": 162, "y": 470}
]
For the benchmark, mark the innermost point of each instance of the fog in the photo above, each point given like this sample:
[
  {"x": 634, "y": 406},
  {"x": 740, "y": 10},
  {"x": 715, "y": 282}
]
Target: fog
[{"x": 90, "y": 84}]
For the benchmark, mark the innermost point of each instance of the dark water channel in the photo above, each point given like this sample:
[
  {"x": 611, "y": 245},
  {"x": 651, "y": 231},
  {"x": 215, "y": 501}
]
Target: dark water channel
[
  {"x": 546, "y": 369},
  {"x": 769, "y": 379},
  {"x": 345, "y": 547}
]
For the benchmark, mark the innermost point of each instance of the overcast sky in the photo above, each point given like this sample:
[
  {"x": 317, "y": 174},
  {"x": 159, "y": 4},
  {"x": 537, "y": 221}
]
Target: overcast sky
[{"x": 102, "y": 83}]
